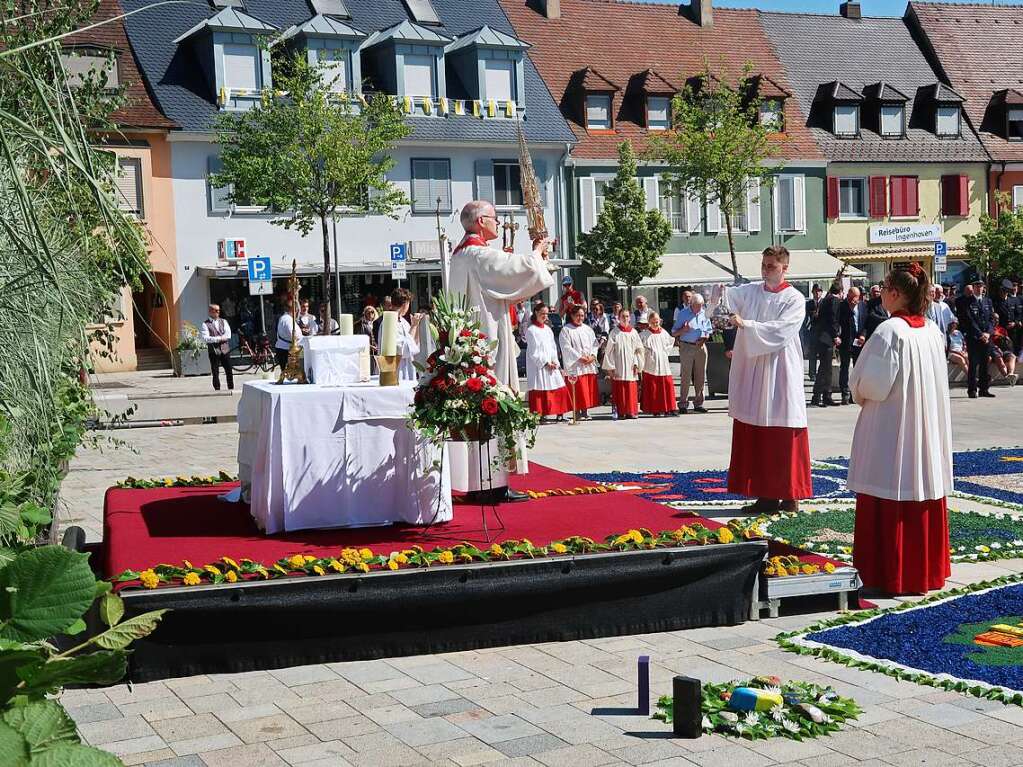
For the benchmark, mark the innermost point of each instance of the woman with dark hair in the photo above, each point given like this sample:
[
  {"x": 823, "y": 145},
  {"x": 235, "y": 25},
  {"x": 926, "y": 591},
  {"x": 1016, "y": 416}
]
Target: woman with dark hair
[
  {"x": 547, "y": 393},
  {"x": 901, "y": 462}
]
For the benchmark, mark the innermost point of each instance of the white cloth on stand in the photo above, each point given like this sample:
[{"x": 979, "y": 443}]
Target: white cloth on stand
[
  {"x": 577, "y": 341},
  {"x": 902, "y": 446},
  {"x": 765, "y": 382},
  {"x": 319, "y": 457},
  {"x": 656, "y": 348},
  {"x": 334, "y": 360},
  {"x": 541, "y": 350},
  {"x": 624, "y": 354}
]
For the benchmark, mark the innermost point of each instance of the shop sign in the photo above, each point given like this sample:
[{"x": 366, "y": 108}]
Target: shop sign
[{"x": 894, "y": 234}]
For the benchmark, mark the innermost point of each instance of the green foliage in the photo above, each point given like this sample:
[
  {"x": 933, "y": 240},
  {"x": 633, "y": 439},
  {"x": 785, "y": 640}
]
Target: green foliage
[
  {"x": 716, "y": 146},
  {"x": 997, "y": 249},
  {"x": 627, "y": 241},
  {"x": 309, "y": 152}
]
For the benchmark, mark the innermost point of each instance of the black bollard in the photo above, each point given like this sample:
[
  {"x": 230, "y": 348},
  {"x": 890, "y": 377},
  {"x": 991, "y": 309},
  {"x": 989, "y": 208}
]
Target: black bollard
[
  {"x": 686, "y": 711},
  {"x": 644, "y": 685}
]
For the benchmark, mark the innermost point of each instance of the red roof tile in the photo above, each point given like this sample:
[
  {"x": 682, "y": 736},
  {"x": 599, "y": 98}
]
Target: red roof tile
[{"x": 622, "y": 40}]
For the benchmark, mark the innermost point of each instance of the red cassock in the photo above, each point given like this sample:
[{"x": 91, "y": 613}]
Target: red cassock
[
  {"x": 586, "y": 392},
  {"x": 770, "y": 462},
  {"x": 626, "y": 397},
  {"x": 902, "y": 546},
  {"x": 658, "y": 394},
  {"x": 550, "y": 402}
]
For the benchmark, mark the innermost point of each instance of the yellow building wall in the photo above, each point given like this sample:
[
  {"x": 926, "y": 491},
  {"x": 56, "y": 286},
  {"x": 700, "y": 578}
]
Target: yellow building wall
[{"x": 856, "y": 234}]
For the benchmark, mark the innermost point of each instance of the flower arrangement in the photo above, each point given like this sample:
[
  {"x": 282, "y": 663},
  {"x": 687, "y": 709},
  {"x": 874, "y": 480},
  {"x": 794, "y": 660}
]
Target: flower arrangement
[
  {"x": 800, "y": 709},
  {"x": 190, "y": 341},
  {"x": 351, "y": 560},
  {"x": 459, "y": 397},
  {"x": 198, "y": 480},
  {"x": 786, "y": 566}
]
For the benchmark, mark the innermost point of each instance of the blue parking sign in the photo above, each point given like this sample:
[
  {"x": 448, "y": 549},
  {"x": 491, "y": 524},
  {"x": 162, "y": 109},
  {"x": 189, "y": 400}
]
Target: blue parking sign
[
  {"x": 398, "y": 252},
  {"x": 940, "y": 249},
  {"x": 260, "y": 269}
]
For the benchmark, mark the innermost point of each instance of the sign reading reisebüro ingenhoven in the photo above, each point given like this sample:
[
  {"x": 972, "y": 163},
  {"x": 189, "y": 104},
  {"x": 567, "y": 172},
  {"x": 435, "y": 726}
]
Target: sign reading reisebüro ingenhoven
[{"x": 881, "y": 234}]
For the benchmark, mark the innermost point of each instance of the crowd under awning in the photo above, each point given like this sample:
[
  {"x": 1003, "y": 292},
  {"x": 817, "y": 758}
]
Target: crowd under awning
[{"x": 714, "y": 268}]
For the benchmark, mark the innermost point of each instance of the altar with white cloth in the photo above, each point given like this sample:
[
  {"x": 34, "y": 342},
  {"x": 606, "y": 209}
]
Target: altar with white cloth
[{"x": 314, "y": 456}]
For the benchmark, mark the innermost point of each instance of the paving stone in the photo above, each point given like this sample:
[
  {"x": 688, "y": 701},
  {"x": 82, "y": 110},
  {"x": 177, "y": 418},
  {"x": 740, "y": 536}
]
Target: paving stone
[
  {"x": 157, "y": 709},
  {"x": 197, "y": 687},
  {"x": 464, "y": 751},
  {"x": 179, "y": 761},
  {"x": 360, "y": 672},
  {"x": 421, "y": 732},
  {"x": 673, "y": 761},
  {"x": 299, "y": 675},
  {"x": 576, "y": 756},
  {"x": 205, "y": 743},
  {"x": 646, "y": 751},
  {"x": 926, "y": 757},
  {"x": 147, "y": 691},
  {"x": 331, "y": 691},
  {"x": 391, "y": 714},
  {"x": 319, "y": 712},
  {"x": 331, "y": 761},
  {"x": 500, "y": 728},
  {"x": 374, "y": 741},
  {"x": 864, "y": 745},
  {"x": 729, "y": 642},
  {"x": 343, "y": 729},
  {"x": 945, "y": 715},
  {"x": 330, "y": 750},
  {"x": 577, "y": 730},
  {"x": 274, "y": 691},
  {"x": 438, "y": 673},
  {"x": 113, "y": 730},
  {"x": 394, "y": 685},
  {"x": 729, "y": 756},
  {"x": 431, "y": 693},
  {"x": 785, "y": 750},
  {"x": 392, "y": 756},
  {"x": 1005, "y": 755},
  {"x": 212, "y": 703},
  {"x": 281, "y": 744},
  {"x": 185, "y": 727},
  {"x": 530, "y": 745},
  {"x": 134, "y": 745},
  {"x": 94, "y": 712},
  {"x": 266, "y": 728},
  {"x": 243, "y": 713},
  {"x": 253, "y": 755},
  {"x": 444, "y": 707}
]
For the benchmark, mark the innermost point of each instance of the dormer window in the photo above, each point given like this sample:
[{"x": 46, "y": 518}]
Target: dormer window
[
  {"x": 772, "y": 115},
  {"x": 598, "y": 112},
  {"x": 83, "y": 64},
  {"x": 242, "y": 67},
  {"x": 408, "y": 61},
  {"x": 847, "y": 120},
  {"x": 658, "y": 112},
  {"x": 1014, "y": 124},
  {"x": 331, "y": 46},
  {"x": 487, "y": 64},
  {"x": 420, "y": 75},
  {"x": 499, "y": 79},
  {"x": 893, "y": 120},
  {"x": 947, "y": 120}
]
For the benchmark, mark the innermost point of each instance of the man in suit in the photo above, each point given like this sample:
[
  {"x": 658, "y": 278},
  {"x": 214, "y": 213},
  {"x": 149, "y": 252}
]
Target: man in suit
[
  {"x": 976, "y": 321},
  {"x": 806, "y": 332},
  {"x": 1009, "y": 308},
  {"x": 875, "y": 313},
  {"x": 827, "y": 334},
  {"x": 852, "y": 315}
]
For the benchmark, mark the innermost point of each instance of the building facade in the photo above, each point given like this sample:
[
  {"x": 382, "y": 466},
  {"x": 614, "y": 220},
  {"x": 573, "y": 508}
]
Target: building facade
[
  {"x": 905, "y": 168},
  {"x": 462, "y": 78}
]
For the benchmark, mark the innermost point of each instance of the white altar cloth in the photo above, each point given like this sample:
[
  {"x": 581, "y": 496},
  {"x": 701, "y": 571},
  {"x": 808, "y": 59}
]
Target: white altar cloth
[{"x": 318, "y": 457}]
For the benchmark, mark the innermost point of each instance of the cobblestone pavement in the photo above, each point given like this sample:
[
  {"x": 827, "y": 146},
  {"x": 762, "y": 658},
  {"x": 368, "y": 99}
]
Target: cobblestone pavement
[{"x": 557, "y": 704}]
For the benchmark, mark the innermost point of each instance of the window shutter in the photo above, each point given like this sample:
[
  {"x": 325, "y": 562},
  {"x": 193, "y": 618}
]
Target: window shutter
[
  {"x": 485, "y": 180},
  {"x": 878, "y": 206},
  {"x": 587, "y": 205},
  {"x": 833, "y": 208},
  {"x": 753, "y": 205},
  {"x": 895, "y": 185},
  {"x": 964, "y": 195},
  {"x": 440, "y": 185},
  {"x": 129, "y": 185},
  {"x": 713, "y": 215},
  {"x": 799, "y": 199},
  {"x": 1017, "y": 196},
  {"x": 650, "y": 190},
  {"x": 949, "y": 193},
  {"x": 694, "y": 212},
  {"x": 220, "y": 195},
  {"x": 421, "y": 202},
  {"x": 912, "y": 196}
]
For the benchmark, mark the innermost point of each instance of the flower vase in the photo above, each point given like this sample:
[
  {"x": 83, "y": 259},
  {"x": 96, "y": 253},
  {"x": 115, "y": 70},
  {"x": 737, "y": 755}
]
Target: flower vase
[{"x": 481, "y": 431}]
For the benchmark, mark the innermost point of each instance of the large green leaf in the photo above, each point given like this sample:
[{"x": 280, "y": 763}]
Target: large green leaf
[
  {"x": 43, "y": 724},
  {"x": 123, "y": 634},
  {"x": 43, "y": 592},
  {"x": 10, "y": 518},
  {"x": 111, "y": 608},
  {"x": 13, "y": 663},
  {"x": 74, "y": 755},
  {"x": 13, "y": 747},
  {"x": 103, "y": 667}
]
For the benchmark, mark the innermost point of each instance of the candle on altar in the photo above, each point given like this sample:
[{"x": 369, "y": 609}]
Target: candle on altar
[
  {"x": 345, "y": 324},
  {"x": 389, "y": 334}
]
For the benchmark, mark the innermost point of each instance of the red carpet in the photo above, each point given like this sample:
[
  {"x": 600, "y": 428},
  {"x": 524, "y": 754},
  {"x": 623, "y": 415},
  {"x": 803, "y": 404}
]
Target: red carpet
[{"x": 142, "y": 528}]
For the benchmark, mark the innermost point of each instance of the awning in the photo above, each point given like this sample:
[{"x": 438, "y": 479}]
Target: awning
[
  {"x": 281, "y": 270},
  {"x": 687, "y": 269},
  {"x": 803, "y": 265},
  {"x": 916, "y": 252}
]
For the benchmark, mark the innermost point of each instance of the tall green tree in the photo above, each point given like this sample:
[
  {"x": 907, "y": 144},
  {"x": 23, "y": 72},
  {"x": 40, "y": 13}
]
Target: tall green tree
[
  {"x": 311, "y": 152},
  {"x": 717, "y": 144},
  {"x": 997, "y": 249},
  {"x": 628, "y": 240}
]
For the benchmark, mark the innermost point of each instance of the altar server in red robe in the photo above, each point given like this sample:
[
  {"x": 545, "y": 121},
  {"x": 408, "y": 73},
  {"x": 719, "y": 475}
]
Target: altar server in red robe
[
  {"x": 547, "y": 393},
  {"x": 770, "y": 448},
  {"x": 623, "y": 359},
  {"x": 658, "y": 387},
  {"x": 901, "y": 462},
  {"x": 579, "y": 355}
]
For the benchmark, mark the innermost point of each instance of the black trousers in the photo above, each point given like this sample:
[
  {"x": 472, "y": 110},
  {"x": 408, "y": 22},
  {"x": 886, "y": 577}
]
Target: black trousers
[
  {"x": 978, "y": 373},
  {"x": 825, "y": 357},
  {"x": 811, "y": 358},
  {"x": 216, "y": 360},
  {"x": 1016, "y": 334},
  {"x": 846, "y": 355},
  {"x": 282, "y": 357}
]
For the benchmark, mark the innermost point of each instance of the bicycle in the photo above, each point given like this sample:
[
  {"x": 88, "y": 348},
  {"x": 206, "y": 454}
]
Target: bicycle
[{"x": 258, "y": 355}]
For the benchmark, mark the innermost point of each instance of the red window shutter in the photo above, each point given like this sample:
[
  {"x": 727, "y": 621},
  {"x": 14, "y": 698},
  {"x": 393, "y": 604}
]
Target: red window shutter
[
  {"x": 964, "y": 195},
  {"x": 833, "y": 208},
  {"x": 949, "y": 195},
  {"x": 912, "y": 196},
  {"x": 898, "y": 195},
  {"x": 878, "y": 201}
]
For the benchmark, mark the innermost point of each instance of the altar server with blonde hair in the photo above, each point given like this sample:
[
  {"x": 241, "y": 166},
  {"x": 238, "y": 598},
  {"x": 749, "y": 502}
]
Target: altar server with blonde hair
[
  {"x": 657, "y": 395},
  {"x": 623, "y": 359},
  {"x": 901, "y": 462},
  {"x": 547, "y": 393},
  {"x": 579, "y": 355}
]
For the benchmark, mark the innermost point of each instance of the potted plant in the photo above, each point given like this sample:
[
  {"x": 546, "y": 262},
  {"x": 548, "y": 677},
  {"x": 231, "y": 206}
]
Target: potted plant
[
  {"x": 190, "y": 358},
  {"x": 458, "y": 397}
]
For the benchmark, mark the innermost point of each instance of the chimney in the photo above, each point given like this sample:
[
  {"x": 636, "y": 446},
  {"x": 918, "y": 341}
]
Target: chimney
[
  {"x": 702, "y": 12},
  {"x": 850, "y": 9},
  {"x": 551, "y": 8}
]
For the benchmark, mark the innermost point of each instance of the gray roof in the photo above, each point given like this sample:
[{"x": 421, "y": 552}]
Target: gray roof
[
  {"x": 228, "y": 19},
  {"x": 485, "y": 37},
  {"x": 820, "y": 50},
  {"x": 407, "y": 32},
  {"x": 324, "y": 26},
  {"x": 180, "y": 89}
]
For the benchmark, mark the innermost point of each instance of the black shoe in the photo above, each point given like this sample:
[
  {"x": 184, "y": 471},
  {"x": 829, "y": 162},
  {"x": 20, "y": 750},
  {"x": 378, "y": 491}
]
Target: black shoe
[
  {"x": 846, "y": 398},
  {"x": 513, "y": 496},
  {"x": 815, "y": 401},
  {"x": 829, "y": 402},
  {"x": 683, "y": 410},
  {"x": 971, "y": 394},
  {"x": 699, "y": 409},
  {"x": 987, "y": 394}
]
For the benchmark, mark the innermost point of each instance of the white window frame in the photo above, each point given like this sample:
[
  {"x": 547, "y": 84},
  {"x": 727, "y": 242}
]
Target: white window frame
[
  {"x": 599, "y": 183},
  {"x": 937, "y": 121},
  {"x": 772, "y": 114},
  {"x": 596, "y": 98},
  {"x": 503, "y": 167},
  {"x": 659, "y": 123},
  {"x": 740, "y": 220},
  {"x": 504, "y": 66},
  {"x": 90, "y": 60},
  {"x": 901, "y": 117},
  {"x": 834, "y": 118},
  {"x": 798, "y": 182},
  {"x": 1017, "y": 196},
  {"x": 864, "y": 199},
  {"x": 257, "y": 60},
  {"x": 672, "y": 206},
  {"x": 1009, "y": 121},
  {"x": 433, "y": 74}
]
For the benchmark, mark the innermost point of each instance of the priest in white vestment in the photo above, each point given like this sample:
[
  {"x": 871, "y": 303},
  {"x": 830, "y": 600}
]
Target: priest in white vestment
[
  {"x": 901, "y": 462},
  {"x": 770, "y": 447},
  {"x": 493, "y": 281},
  {"x": 579, "y": 350}
]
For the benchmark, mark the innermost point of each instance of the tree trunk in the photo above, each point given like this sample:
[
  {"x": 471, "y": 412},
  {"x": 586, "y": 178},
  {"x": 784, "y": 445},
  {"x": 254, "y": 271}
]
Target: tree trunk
[
  {"x": 325, "y": 326},
  {"x": 731, "y": 249},
  {"x": 628, "y": 299}
]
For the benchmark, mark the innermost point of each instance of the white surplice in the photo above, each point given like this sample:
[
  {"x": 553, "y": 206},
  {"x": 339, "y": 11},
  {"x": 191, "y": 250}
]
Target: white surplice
[
  {"x": 656, "y": 347},
  {"x": 902, "y": 446},
  {"x": 765, "y": 382},
  {"x": 623, "y": 354},
  {"x": 577, "y": 341},
  {"x": 407, "y": 349},
  {"x": 541, "y": 350}
]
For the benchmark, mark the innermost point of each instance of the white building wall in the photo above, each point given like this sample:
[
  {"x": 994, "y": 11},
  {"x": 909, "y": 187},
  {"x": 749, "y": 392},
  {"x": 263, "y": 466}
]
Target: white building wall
[{"x": 363, "y": 240}]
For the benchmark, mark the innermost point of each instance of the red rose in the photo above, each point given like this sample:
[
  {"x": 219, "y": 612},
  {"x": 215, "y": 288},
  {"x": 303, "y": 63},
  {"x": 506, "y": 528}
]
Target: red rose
[
  {"x": 474, "y": 384},
  {"x": 489, "y": 406},
  {"x": 480, "y": 370},
  {"x": 491, "y": 380},
  {"x": 466, "y": 333},
  {"x": 482, "y": 335},
  {"x": 439, "y": 383}
]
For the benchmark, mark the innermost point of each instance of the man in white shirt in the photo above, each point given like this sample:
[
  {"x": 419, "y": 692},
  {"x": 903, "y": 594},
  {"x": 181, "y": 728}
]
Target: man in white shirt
[
  {"x": 938, "y": 311},
  {"x": 216, "y": 334},
  {"x": 306, "y": 320},
  {"x": 641, "y": 314},
  {"x": 286, "y": 325}
]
